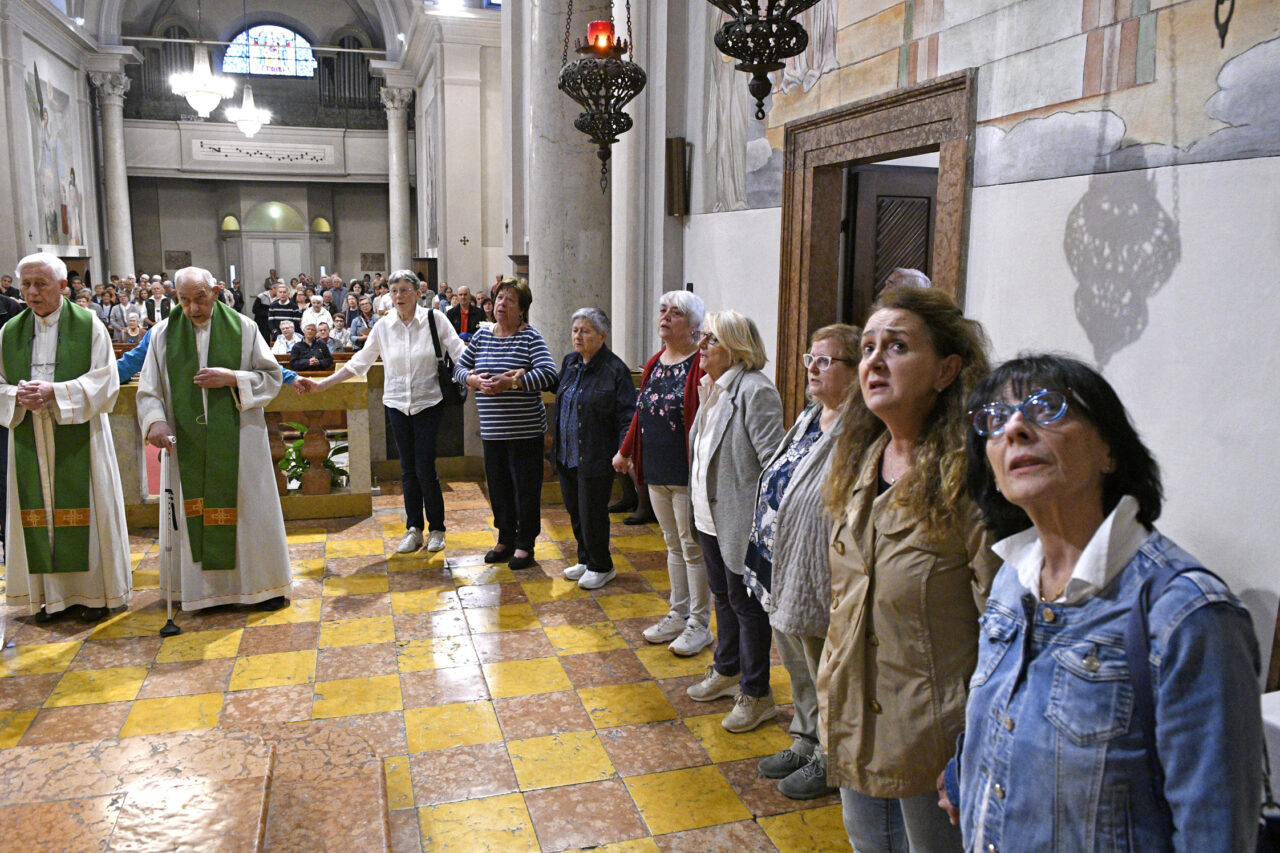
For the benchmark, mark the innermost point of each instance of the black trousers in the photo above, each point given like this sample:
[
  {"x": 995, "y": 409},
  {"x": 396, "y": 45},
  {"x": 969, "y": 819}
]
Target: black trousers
[
  {"x": 416, "y": 441},
  {"x": 743, "y": 634},
  {"x": 587, "y": 499},
  {"x": 513, "y": 472}
]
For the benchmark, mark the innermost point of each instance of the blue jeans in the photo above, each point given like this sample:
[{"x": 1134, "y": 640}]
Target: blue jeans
[{"x": 915, "y": 824}]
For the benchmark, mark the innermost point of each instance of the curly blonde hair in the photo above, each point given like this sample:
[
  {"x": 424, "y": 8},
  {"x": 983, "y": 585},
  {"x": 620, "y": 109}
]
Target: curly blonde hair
[{"x": 934, "y": 485}]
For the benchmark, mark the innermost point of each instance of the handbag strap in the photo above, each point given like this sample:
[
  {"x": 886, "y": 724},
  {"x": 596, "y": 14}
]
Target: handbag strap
[{"x": 443, "y": 358}]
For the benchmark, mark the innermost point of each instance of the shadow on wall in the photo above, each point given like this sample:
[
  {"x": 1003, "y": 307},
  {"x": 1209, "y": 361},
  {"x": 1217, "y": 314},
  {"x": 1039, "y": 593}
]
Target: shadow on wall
[{"x": 1122, "y": 247}]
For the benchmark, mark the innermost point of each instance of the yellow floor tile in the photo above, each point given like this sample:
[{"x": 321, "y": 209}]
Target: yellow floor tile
[
  {"x": 661, "y": 663},
  {"x": 146, "y": 580},
  {"x": 309, "y": 568},
  {"x": 347, "y": 697},
  {"x": 657, "y": 578},
  {"x": 562, "y": 759},
  {"x": 299, "y": 610},
  {"x": 134, "y": 559},
  {"x": 354, "y": 548},
  {"x": 357, "y": 632},
  {"x": 200, "y": 645},
  {"x": 526, "y": 677},
  {"x": 306, "y": 537},
  {"x": 489, "y": 825},
  {"x": 638, "y": 845},
  {"x": 13, "y": 725},
  {"x": 424, "y": 600},
  {"x": 416, "y": 561},
  {"x": 95, "y": 686},
  {"x": 676, "y": 800},
  {"x": 435, "y": 653},
  {"x": 355, "y": 584},
  {"x": 470, "y": 539},
  {"x": 399, "y": 783},
  {"x": 621, "y": 564},
  {"x": 559, "y": 532},
  {"x": 41, "y": 659},
  {"x": 780, "y": 684},
  {"x": 130, "y": 623},
  {"x": 504, "y": 617},
  {"x": 581, "y": 639},
  {"x": 633, "y": 605},
  {"x": 722, "y": 746},
  {"x": 173, "y": 714},
  {"x": 273, "y": 670},
  {"x": 643, "y": 542},
  {"x": 810, "y": 830},
  {"x": 548, "y": 551},
  {"x": 626, "y": 704},
  {"x": 542, "y": 590},
  {"x": 482, "y": 573},
  {"x": 447, "y": 726}
]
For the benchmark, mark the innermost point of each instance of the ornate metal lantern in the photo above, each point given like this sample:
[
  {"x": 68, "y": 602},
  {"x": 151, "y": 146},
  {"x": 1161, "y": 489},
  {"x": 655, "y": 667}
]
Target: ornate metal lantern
[
  {"x": 760, "y": 40},
  {"x": 603, "y": 83}
]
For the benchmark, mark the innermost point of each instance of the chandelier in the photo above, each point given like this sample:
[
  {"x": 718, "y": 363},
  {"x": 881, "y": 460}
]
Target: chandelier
[
  {"x": 760, "y": 40},
  {"x": 248, "y": 118},
  {"x": 202, "y": 90},
  {"x": 602, "y": 82}
]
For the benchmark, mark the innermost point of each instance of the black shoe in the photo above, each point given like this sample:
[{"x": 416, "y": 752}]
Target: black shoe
[
  {"x": 43, "y": 615},
  {"x": 496, "y": 556},
  {"x": 94, "y": 614},
  {"x": 277, "y": 603},
  {"x": 623, "y": 506},
  {"x": 518, "y": 563},
  {"x": 638, "y": 518}
]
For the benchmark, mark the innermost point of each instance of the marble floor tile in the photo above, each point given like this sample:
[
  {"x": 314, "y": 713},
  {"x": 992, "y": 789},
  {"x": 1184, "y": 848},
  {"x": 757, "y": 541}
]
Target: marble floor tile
[
  {"x": 415, "y": 579},
  {"x": 344, "y": 607},
  {"x": 585, "y": 814},
  {"x": 491, "y": 825},
  {"x": 369, "y": 565},
  {"x": 37, "y": 659},
  {"x": 541, "y": 714},
  {"x": 809, "y": 829},
  {"x": 355, "y": 661},
  {"x": 722, "y": 745},
  {"x": 560, "y": 759},
  {"x": 302, "y": 816},
  {"x": 419, "y": 626},
  {"x": 27, "y": 691},
  {"x": 512, "y": 645},
  {"x": 267, "y": 705},
  {"x": 652, "y": 748},
  {"x": 745, "y": 836},
  {"x": 572, "y": 612},
  {"x": 584, "y": 638},
  {"x": 547, "y": 590},
  {"x": 339, "y": 546},
  {"x": 173, "y": 714},
  {"x": 399, "y": 782},
  {"x": 493, "y": 595},
  {"x": 676, "y": 690},
  {"x": 299, "y": 610},
  {"x": 446, "y": 726},
  {"x": 435, "y": 653},
  {"x": 425, "y": 600},
  {"x": 461, "y": 773},
  {"x": 356, "y": 632},
  {"x": 473, "y": 571},
  {"x": 191, "y": 815},
  {"x": 524, "y": 677},
  {"x": 405, "y": 837},
  {"x": 661, "y": 663},
  {"x": 598, "y": 669},
  {"x": 676, "y": 800},
  {"x": 443, "y": 686},
  {"x": 96, "y": 654},
  {"x": 761, "y": 795},
  {"x": 266, "y": 639},
  {"x": 273, "y": 670},
  {"x": 350, "y": 696},
  {"x": 626, "y": 704},
  {"x": 77, "y": 723},
  {"x": 506, "y": 617},
  {"x": 186, "y": 678},
  {"x": 384, "y": 733},
  {"x": 357, "y": 584},
  {"x": 13, "y": 725},
  {"x": 200, "y": 645},
  {"x": 80, "y": 824},
  {"x": 94, "y": 686}
]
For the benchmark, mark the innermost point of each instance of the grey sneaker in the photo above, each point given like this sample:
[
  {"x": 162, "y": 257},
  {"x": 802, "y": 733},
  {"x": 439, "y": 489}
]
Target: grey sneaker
[
  {"x": 780, "y": 765},
  {"x": 809, "y": 782},
  {"x": 594, "y": 580},
  {"x": 575, "y": 572},
  {"x": 435, "y": 540},
  {"x": 713, "y": 686},
  {"x": 411, "y": 542},
  {"x": 692, "y": 640},
  {"x": 749, "y": 712},
  {"x": 667, "y": 630}
]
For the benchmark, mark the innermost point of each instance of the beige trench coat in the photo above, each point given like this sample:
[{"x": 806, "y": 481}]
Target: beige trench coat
[{"x": 902, "y": 642}]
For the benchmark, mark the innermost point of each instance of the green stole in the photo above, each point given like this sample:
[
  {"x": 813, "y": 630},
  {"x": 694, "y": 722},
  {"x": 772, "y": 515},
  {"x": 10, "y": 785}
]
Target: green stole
[
  {"x": 71, "y": 470},
  {"x": 209, "y": 479}
]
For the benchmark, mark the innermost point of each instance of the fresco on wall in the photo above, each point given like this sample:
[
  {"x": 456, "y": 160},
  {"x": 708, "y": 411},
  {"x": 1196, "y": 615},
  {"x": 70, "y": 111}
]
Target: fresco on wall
[
  {"x": 430, "y": 205},
  {"x": 58, "y": 196},
  {"x": 803, "y": 72}
]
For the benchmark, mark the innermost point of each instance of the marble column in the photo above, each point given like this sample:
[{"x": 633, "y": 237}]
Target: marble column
[
  {"x": 396, "y": 100},
  {"x": 111, "y": 87},
  {"x": 570, "y": 252}
]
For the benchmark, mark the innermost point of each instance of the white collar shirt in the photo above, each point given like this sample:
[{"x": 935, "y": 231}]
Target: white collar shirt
[
  {"x": 712, "y": 394},
  {"x": 410, "y": 383}
]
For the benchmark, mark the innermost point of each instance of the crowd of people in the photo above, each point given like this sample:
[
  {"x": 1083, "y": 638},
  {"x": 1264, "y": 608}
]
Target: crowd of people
[{"x": 989, "y": 643}]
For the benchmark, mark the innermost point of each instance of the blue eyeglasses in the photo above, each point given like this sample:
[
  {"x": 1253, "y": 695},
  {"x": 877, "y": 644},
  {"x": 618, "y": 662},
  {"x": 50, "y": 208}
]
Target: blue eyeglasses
[{"x": 1042, "y": 408}]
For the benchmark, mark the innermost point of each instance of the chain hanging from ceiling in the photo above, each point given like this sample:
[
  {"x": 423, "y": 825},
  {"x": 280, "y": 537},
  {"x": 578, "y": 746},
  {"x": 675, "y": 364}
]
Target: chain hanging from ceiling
[{"x": 761, "y": 39}]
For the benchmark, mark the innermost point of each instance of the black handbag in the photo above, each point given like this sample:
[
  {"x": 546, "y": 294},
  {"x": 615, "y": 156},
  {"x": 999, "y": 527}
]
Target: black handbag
[{"x": 453, "y": 393}]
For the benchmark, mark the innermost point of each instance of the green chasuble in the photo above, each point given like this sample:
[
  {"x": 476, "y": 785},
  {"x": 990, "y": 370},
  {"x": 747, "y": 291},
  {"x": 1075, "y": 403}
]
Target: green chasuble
[
  {"x": 71, "y": 473},
  {"x": 208, "y": 447}
]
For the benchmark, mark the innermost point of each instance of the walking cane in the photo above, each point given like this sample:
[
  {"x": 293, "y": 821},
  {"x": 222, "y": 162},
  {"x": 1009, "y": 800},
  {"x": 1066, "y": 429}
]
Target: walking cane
[{"x": 170, "y": 628}]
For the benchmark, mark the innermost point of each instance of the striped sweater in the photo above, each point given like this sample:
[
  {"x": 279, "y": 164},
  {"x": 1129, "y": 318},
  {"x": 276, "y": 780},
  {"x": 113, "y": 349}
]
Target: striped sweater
[{"x": 518, "y": 413}]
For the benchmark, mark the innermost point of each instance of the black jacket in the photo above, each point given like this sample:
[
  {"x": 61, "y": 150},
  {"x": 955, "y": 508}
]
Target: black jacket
[
  {"x": 606, "y": 401},
  {"x": 474, "y": 318},
  {"x": 9, "y": 308},
  {"x": 302, "y": 353}
]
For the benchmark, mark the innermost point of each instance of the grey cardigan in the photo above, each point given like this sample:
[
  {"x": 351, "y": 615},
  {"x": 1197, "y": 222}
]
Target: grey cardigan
[
  {"x": 800, "y": 593},
  {"x": 744, "y": 432}
]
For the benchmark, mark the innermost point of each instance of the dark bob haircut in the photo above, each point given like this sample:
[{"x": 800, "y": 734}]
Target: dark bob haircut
[{"x": 1092, "y": 398}]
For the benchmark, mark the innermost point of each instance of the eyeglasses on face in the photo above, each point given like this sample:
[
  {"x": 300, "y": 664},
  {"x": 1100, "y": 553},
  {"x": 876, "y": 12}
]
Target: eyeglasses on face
[
  {"x": 708, "y": 339},
  {"x": 1043, "y": 408},
  {"x": 823, "y": 361}
]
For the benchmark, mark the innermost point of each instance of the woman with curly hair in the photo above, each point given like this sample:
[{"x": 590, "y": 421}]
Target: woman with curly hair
[{"x": 910, "y": 570}]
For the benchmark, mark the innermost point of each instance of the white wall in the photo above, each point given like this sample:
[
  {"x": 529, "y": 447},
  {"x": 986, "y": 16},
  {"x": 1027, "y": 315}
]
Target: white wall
[
  {"x": 360, "y": 215},
  {"x": 1200, "y": 381}
]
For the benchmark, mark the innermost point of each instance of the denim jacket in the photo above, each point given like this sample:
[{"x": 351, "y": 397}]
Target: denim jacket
[{"x": 1050, "y": 760}]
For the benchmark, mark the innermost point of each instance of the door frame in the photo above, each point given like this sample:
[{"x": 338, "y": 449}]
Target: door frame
[{"x": 937, "y": 115}]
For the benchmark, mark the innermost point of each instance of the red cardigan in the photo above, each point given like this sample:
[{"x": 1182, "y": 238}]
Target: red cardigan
[{"x": 631, "y": 444}]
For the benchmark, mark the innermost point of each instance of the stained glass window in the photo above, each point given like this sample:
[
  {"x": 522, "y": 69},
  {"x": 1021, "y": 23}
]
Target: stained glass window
[{"x": 268, "y": 49}]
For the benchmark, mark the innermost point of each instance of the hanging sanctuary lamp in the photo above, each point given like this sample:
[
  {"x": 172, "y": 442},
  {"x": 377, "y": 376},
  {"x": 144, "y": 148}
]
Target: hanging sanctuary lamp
[
  {"x": 248, "y": 116},
  {"x": 602, "y": 82},
  {"x": 761, "y": 39},
  {"x": 199, "y": 86}
]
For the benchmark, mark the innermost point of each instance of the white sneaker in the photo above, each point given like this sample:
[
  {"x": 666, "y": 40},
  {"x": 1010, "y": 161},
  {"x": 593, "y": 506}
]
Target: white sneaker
[
  {"x": 749, "y": 712},
  {"x": 595, "y": 580},
  {"x": 667, "y": 630},
  {"x": 713, "y": 686},
  {"x": 575, "y": 571},
  {"x": 693, "y": 639},
  {"x": 435, "y": 541},
  {"x": 411, "y": 542}
]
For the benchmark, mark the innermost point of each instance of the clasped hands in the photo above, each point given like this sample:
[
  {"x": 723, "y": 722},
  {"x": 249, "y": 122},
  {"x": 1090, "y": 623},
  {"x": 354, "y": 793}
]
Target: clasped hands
[
  {"x": 493, "y": 383},
  {"x": 34, "y": 394}
]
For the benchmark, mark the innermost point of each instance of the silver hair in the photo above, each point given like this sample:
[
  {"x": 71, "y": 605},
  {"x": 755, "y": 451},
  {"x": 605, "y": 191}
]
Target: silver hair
[
  {"x": 689, "y": 303},
  {"x": 198, "y": 273},
  {"x": 594, "y": 316},
  {"x": 316, "y": 298},
  {"x": 53, "y": 263},
  {"x": 403, "y": 275},
  {"x": 288, "y": 323},
  {"x": 910, "y": 277}
]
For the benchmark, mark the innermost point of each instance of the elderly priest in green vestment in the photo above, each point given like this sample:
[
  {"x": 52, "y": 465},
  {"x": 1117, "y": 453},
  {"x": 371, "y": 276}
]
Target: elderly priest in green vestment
[
  {"x": 58, "y": 383},
  {"x": 206, "y": 379}
]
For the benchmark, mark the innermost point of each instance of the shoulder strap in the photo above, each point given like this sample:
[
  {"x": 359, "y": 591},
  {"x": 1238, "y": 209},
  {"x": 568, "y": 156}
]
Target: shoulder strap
[{"x": 435, "y": 336}]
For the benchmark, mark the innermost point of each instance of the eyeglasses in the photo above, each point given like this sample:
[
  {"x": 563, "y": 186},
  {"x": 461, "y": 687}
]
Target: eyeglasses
[
  {"x": 823, "y": 361},
  {"x": 708, "y": 339},
  {"x": 1042, "y": 408}
]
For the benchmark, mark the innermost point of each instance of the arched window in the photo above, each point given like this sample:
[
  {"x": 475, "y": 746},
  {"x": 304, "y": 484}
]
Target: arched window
[
  {"x": 270, "y": 50},
  {"x": 230, "y": 223},
  {"x": 274, "y": 216}
]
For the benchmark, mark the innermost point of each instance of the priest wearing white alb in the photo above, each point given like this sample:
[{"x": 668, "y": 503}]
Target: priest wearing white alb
[
  {"x": 206, "y": 379},
  {"x": 58, "y": 384}
]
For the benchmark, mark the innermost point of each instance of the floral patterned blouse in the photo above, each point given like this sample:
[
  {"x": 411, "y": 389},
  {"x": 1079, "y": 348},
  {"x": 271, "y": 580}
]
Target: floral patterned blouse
[{"x": 661, "y": 409}]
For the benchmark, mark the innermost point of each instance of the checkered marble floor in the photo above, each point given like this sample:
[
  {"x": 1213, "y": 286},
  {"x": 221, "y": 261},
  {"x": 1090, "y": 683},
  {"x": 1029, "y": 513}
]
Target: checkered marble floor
[{"x": 512, "y": 710}]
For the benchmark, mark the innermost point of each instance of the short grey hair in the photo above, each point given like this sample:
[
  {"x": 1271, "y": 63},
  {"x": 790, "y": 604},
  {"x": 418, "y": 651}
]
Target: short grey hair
[
  {"x": 53, "y": 263},
  {"x": 403, "y": 275},
  {"x": 688, "y": 303},
  {"x": 288, "y": 323},
  {"x": 200, "y": 274},
  {"x": 594, "y": 316},
  {"x": 908, "y": 277}
]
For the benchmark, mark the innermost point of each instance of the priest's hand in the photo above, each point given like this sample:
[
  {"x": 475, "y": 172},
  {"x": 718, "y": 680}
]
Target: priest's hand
[
  {"x": 215, "y": 377},
  {"x": 33, "y": 395},
  {"x": 160, "y": 435},
  {"x": 303, "y": 385}
]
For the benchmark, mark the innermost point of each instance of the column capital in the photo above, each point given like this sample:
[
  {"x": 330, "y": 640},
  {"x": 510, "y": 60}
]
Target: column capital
[
  {"x": 396, "y": 97},
  {"x": 111, "y": 85}
]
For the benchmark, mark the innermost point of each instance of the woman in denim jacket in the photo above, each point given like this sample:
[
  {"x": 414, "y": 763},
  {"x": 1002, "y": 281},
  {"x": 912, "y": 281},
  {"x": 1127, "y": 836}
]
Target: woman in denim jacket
[{"x": 1052, "y": 759}]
